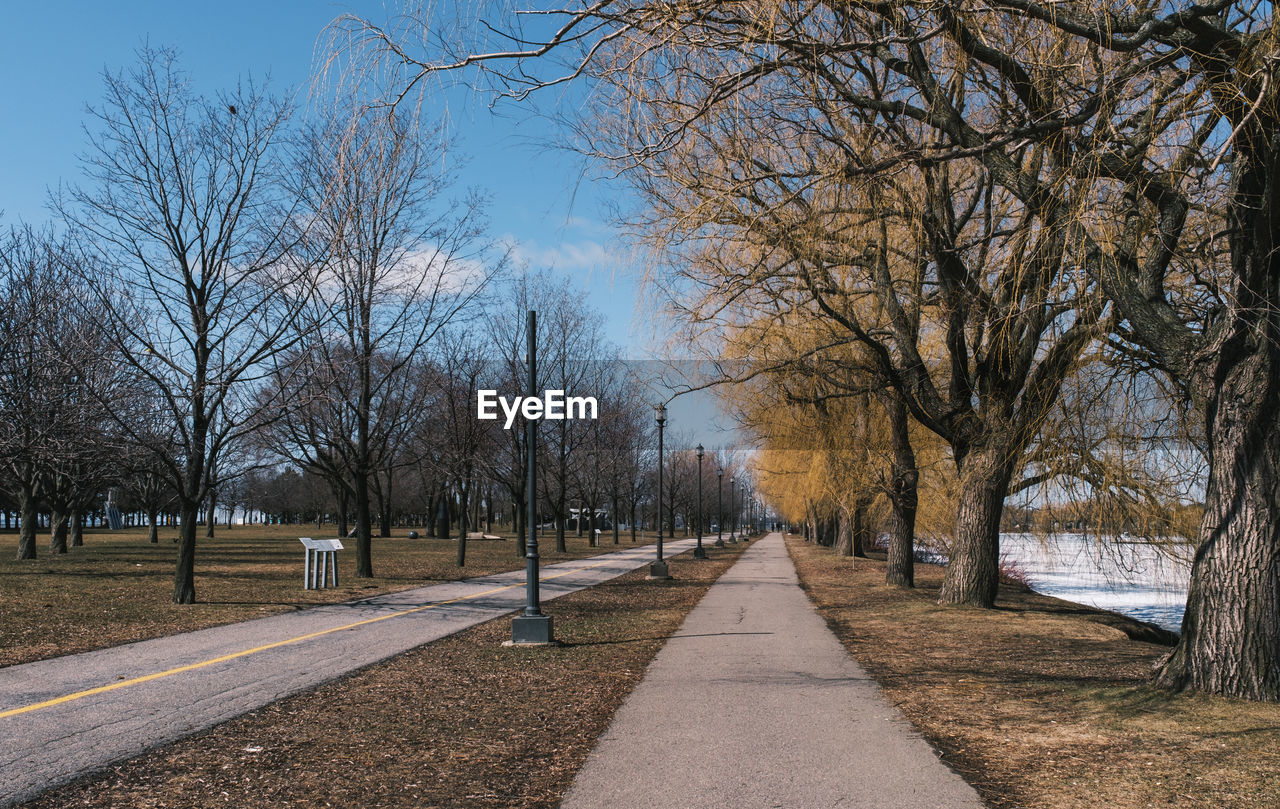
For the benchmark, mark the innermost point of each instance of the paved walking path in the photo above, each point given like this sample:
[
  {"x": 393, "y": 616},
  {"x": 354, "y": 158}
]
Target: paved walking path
[
  {"x": 66, "y": 716},
  {"x": 755, "y": 703}
]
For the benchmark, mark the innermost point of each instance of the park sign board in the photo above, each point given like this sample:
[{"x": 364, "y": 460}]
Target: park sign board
[
  {"x": 321, "y": 565},
  {"x": 321, "y": 544}
]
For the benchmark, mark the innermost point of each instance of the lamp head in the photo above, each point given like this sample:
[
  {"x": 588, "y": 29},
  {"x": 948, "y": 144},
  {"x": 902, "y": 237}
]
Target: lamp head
[
  {"x": 700, "y": 451},
  {"x": 660, "y": 414}
]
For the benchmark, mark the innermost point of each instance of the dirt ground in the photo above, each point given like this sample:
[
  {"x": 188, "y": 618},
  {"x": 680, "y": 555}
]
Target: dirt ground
[
  {"x": 1045, "y": 703},
  {"x": 118, "y": 587}
]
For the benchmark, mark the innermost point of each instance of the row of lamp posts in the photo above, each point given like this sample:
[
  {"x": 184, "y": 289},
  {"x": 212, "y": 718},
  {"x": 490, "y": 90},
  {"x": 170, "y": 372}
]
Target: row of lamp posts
[
  {"x": 659, "y": 568},
  {"x": 535, "y": 627}
]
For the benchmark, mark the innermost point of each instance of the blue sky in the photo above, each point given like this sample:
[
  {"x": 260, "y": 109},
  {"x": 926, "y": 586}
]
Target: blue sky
[{"x": 52, "y": 55}]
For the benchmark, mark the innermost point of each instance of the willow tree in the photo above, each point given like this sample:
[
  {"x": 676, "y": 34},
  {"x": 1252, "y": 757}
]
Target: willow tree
[
  {"x": 813, "y": 389},
  {"x": 1136, "y": 140}
]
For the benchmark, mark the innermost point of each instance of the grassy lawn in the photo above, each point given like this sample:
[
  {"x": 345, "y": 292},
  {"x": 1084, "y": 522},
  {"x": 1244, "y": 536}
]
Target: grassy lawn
[
  {"x": 461, "y": 722},
  {"x": 1042, "y": 702},
  {"x": 118, "y": 587}
]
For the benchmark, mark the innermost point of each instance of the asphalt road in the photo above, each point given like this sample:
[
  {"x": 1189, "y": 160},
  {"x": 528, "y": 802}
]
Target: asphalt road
[
  {"x": 755, "y": 703},
  {"x": 67, "y": 716}
]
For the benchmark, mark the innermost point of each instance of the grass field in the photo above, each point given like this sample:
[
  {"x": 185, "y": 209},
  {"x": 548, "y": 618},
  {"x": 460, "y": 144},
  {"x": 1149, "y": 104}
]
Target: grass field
[
  {"x": 118, "y": 587},
  {"x": 1041, "y": 702}
]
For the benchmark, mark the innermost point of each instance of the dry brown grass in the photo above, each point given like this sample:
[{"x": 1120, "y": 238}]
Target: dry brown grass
[
  {"x": 1044, "y": 703},
  {"x": 462, "y": 722},
  {"x": 118, "y": 587}
]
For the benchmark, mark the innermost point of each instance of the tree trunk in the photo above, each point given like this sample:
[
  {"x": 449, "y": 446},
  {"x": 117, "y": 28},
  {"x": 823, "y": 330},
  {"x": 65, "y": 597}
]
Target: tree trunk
[
  {"x": 76, "y": 535},
  {"x": 153, "y": 533},
  {"x": 462, "y": 533},
  {"x": 973, "y": 571},
  {"x": 27, "y": 530},
  {"x": 1230, "y": 642},
  {"x": 364, "y": 526},
  {"x": 210, "y": 514},
  {"x": 184, "y": 577},
  {"x": 828, "y": 530},
  {"x": 903, "y": 499},
  {"x": 521, "y": 529},
  {"x": 431, "y": 516},
  {"x": 442, "y": 517},
  {"x": 860, "y": 528},
  {"x": 843, "y": 543},
  {"x": 57, "y": 531},
  {"x": 384, "y": 508},
  {"x": 343, "y": 514},
  {"x": 560, "y": 518}
]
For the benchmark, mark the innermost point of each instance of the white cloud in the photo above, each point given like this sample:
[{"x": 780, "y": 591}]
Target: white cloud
[{"x": 584, "y": 255}]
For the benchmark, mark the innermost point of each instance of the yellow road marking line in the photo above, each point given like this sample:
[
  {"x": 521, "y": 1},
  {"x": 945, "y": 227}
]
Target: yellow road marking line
[{"x": 246, "y": 652}]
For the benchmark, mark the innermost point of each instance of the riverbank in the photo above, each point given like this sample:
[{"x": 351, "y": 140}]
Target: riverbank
[
  {"x": 1042, "y": 702},
  {"x": 1143, "y": 579}
]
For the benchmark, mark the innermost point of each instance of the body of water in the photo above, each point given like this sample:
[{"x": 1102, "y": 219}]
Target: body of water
[{"x": 1125, "y": 575}]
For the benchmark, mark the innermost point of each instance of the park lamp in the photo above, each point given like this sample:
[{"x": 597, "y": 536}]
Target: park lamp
[
  {"x": 658, "y": 569},
  {"x": 719, "y": 506},
  {"x": 699, "y": 552},
  {"x": 732, "y": 508}
]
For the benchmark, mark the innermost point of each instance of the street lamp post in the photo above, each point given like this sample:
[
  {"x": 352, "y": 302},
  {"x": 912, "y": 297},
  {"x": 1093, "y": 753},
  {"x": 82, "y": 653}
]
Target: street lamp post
[
  {"x": 532, "y": 628},
  {"x": 658, "y": 568},
  {"x": 733, "y": 526},
  {"x": 742, "y": 508},
  {"x": 719, "y": 506},
  {"x": 700, "y": 552}
]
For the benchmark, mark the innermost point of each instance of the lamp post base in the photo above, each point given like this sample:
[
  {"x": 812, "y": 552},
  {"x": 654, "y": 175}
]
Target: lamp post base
[
  {"x": 719, "y": 543},
  {"x": 532, "y": 630},
  {"x": 699, "y": 552},
  {"x": 658, "y": 571}
]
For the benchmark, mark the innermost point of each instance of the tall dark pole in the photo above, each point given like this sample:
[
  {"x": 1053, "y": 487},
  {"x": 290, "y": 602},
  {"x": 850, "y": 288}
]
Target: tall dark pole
[
  {"x": 658, "y": 569},
  {"x": 533, "y": 627},
  {"x": 720, "y": 507},
  {"x": 700, "y": 552},
  {"x": 733, "y": 526}
]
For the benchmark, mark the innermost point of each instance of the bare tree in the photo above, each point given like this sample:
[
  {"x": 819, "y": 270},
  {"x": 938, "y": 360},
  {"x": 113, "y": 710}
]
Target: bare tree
[
  {"x": 401, "y": 262},
  {"x": 29, "y": 376},
  {"x": 464, "y": 442},
  {"x": 189, "y": 240},
  {"x": 57, "y": 371}
]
